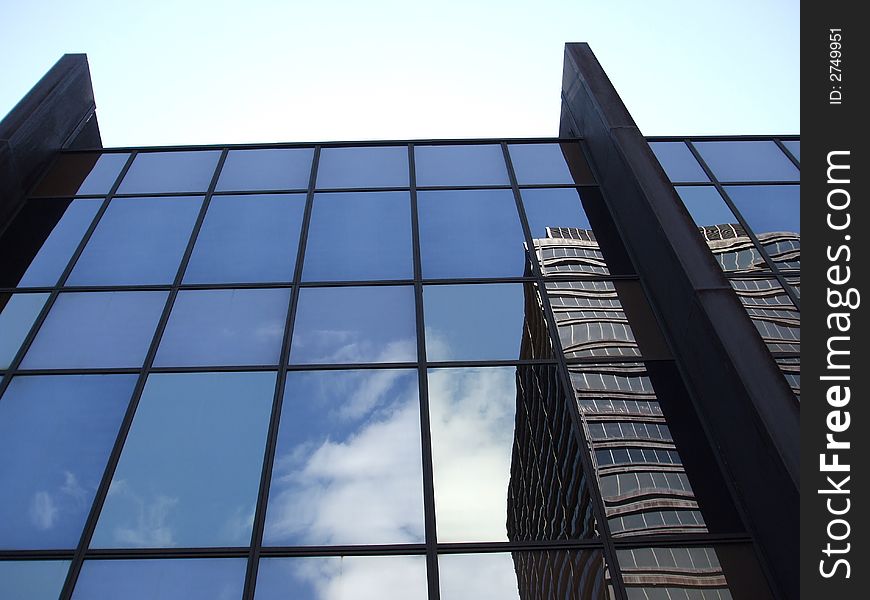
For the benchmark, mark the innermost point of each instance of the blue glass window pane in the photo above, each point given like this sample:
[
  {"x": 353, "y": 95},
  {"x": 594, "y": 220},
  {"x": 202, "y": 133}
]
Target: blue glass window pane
[
  {"x": 473, "y": 233},
  {"x": 359, "y": 236},
  {"x": 96, "y": 330},
  {"x": 82, "y": 174},
  {"x": 747, "y": 161},
  {"x": 55, "y": 253},
  {"x": 460, "y": 165},
  {"x": 137, "y": 241},
  {"x": 706, "y": 206},
  {"x": 794, "y": 147},
  {"x": 224, "y": 327},
  {"x": 473, "y": 322},
  {"x": 17, "y": 314},
  {"x": 363, "y": 167},
  {"x": 354, "y": 325},
  {"x": 162, "y": 579},
  {"x": 331, "y": 420},
  {"x": 153, "y": 172},
  {"x": 768, "y": 208},
  {"x": 32, "y": 579},
  {"x": 190, "y": 469},
  {"x": 472, "y": 414},
  {"x": 247, "y": 239},
  {"x": 56, "y": 433},
  {"x": 678, "y": 161},
  {"x": 553, "y": 208},
  {"x": 342, "y": 578},
  {"x": 539, "y": 163},
  {"x": 266, "y": 169}
]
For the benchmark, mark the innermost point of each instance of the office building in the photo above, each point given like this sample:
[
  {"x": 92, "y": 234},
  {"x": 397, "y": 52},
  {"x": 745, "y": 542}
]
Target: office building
[{"x": 538, "y": 368}]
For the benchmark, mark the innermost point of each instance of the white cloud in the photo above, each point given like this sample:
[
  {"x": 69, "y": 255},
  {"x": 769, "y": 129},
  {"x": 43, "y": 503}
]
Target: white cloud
[{"x": 43, "y": 511}]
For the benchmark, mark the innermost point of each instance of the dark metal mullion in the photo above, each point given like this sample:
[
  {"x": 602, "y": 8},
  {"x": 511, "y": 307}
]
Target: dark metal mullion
[
  {"x": 56, "y": 289},
  {"x": 585, "y": 457},
  {"x": 749, "y": 232},
  {"x": 432, "y": 574},
  {"x": 115, "y": 456},
  {"x": 257, "y": 531},
  {"x": 788, "y": 153}
]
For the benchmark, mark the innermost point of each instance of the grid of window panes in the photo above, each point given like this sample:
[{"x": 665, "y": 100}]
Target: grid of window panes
[
  {"x": 744, "y": 196},
  {"x": 279, "y": 371}
]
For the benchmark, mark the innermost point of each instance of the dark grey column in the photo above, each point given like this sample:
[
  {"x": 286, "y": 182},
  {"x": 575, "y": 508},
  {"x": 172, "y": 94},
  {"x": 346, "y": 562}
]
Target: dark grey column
[
  {"x": 57, "y": 113},
  {"x": 748, "y": 412}
]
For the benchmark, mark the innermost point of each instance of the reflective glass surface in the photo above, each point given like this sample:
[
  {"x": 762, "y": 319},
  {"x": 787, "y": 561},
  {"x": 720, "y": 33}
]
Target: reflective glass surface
[
  {"x": 58, "y": 240},
  {"x": 460, "y": 165},
  {"x": 359, "y": 236},
  {"x": 772, "y": 312},
  {"x": 473, "y": 233},
  {"x": 348, "y": 465},
  {"x": 794, "y": 147},
  {"x": 137, "y": 241},
  {"x": 678, "y": 161},
  {"x": 553, "y": 208},
  {"x": 179, "y": 172},
  {"x": 705, "y": 205},
  {"x": 32, "y": 579},
  {"x": 354, "y": 325},
  {"x": 540, "y": 163},
  {"x": 768, "y": 208},
  {"x": 747, "y": 161},
  {"x": 17, "y": 314},
  {"x": 56, "y": 433},
  {"x": 363, "y": 167},
  {"x": 82, "y": 174},
  {"x": 266, "y": 169},
  {"x": 473, "y": 322},
  {"x": 224, "y": 327},
  {"x": 574, "y": 574},
  {"x": 342, "y": 578},
  {"x": 162, "y": 579},
  {"x": 96, "y": 329},
  {"x": 190, "y": 468},
  {"x": 247, "y": 239}
]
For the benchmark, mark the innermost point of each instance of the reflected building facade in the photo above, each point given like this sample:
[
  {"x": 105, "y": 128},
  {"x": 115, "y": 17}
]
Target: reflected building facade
[{"x": 449, "y": 369}]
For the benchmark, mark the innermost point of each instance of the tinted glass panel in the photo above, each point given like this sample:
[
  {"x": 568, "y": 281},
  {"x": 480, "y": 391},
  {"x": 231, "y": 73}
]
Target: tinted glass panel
[
  {"x": 359, "y": 236},
  {"x": 224, "y": 327},
  {"x": 768, "y": 207},
  {"x": 348, "y": 467},
  {"x": 56, "y": 433},
  {"x": 772, "y": 312},
  {"x": 137, "y": 241},
  {"x": 56, "y": 238},
  {"x": 156, "y": 579},
  {"x": 96, "y": 329},
  {"x": 32, "y": 579},
  {"x": 247, "y": 239},
  {"x": 706, "y": 206},
  {"x": 363, "y": 167},
  {"x": 17, "y": 314},
  {"x": 266, "y": 169},
  {"x": 153, "y": 172},
  {"x": 354, "y": 324},
  {"x": 473, "y": 322},
  {"x": 460, "y": 165},
  {"x": 473, "y": 233},
  {"x": 579, "y": 574},
  {"x": 747, "y": 161},
  {"x": 342, "y": 578},
  {"x": 678, "y": 161},
  {"x": 83, "y": 173},
  {"x": 190, "y": 469},
  {"x": 794, "y": 147},
  {"x": 555, "y": 208},
  {"x": 540, "y": 163}
]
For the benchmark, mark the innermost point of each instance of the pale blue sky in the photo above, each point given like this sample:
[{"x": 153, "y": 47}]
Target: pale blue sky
[{"x": 197, "y": 72}]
